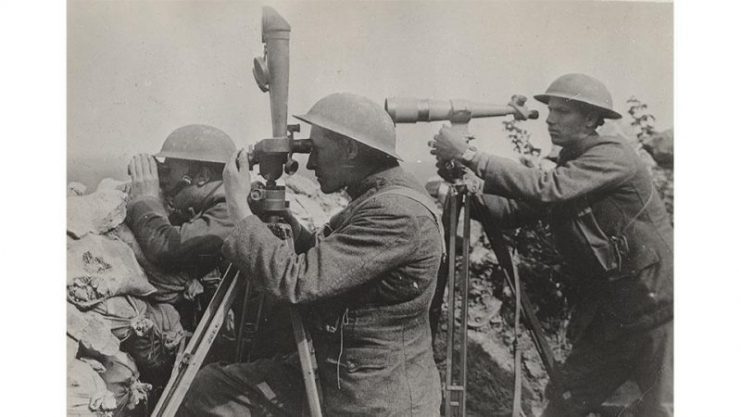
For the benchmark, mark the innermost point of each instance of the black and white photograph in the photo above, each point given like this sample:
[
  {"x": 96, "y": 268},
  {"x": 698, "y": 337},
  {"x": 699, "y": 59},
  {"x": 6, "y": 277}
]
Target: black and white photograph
[
  {"x": 370, "y": 209},
  {"x": 373, "y": 208}
]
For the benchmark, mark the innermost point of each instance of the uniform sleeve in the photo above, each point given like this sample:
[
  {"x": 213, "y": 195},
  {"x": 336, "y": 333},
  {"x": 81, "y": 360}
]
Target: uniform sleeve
[
  {"x": 600, "y": 167},
  {"x": 376, "y": 240},
  {"x": 194, "y": 244},
  {"x": 507, "y": 213}
]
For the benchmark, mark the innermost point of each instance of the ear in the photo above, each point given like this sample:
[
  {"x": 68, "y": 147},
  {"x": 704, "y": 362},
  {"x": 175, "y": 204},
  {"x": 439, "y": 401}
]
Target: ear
[
  {"x": 204, "y": 176},
  {"x": 591, "y": 121},
  {"x": 351, "y": 149}
]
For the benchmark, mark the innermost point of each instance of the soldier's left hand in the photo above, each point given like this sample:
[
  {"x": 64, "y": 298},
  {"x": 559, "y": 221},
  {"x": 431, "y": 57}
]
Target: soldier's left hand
[
  {"x": 448, "y": 144},
  {"x": 237, "y": 185},
  {"x": 145, "y": 181}
]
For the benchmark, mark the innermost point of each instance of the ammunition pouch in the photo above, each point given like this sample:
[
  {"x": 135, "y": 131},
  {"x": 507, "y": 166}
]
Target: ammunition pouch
[{"x": 606, "y": 253}]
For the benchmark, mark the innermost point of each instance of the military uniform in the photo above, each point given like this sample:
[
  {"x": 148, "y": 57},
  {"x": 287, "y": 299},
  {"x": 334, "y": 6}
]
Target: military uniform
[
  {"x": 364, "y": 284},
  {"x": 184, "y": 243},
  {"x": 610, "y": 225}
]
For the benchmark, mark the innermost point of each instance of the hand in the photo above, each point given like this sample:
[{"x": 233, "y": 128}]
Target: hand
[
  {"x": 448, "y": 144},
  {"x": 448, "y": 171},
  {"x": 145, "y": 181},
  {"x": 237, "y": 183}
]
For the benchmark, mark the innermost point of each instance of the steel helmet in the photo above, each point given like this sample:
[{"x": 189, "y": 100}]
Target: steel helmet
[
  {"x": 356, "y": 117},
  {"x": 198, "y": 143},
  {"x": 582, "y": 88}
]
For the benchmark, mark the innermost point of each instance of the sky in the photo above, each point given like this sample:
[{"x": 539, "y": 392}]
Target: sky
[{"x": 137, "y": 70}]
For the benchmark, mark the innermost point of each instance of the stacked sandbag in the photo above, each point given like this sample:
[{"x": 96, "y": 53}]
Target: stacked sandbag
[
  {"x": 121, "y": 377},
  {"x": 105, "y": 291},
  {"x": 121, "y": 324},
  {"x": 87, "y": 393},
  {"x": 99, "y": 267}
]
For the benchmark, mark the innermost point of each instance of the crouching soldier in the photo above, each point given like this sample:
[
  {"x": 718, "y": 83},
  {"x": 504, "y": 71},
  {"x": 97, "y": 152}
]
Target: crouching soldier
[
  {"x": 363, "y": 284},
  {"x": 177, "y": 211}
]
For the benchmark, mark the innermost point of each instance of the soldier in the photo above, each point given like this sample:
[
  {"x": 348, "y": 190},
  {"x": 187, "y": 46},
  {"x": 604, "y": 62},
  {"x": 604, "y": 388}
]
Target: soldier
[
  {"x": 612, "y": 228},
  {"x": 363, "y": 284},
  {"x": 177, "y": 209}
]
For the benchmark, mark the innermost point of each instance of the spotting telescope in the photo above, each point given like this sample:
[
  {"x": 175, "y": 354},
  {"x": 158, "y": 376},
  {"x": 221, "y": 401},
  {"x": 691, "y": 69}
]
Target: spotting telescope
[{"x": 457, "y": 112}]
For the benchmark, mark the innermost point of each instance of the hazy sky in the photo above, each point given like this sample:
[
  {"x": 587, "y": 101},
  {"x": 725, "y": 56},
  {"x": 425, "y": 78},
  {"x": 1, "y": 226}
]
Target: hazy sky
[{"x": 138, "y": 70}]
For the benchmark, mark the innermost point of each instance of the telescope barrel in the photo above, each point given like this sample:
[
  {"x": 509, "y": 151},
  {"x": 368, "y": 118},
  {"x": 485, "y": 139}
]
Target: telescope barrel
[
  {"x": 276, "y": 34},
  {"x": 412, "y": 110}
]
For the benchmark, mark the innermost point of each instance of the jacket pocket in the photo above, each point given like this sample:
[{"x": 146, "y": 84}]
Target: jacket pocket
[
  {"x": 635, "y": 262},
  {"x": 361, "y": 382},
  {"x": 354, "y": 360},
  {"x": 604, "y": 253}
]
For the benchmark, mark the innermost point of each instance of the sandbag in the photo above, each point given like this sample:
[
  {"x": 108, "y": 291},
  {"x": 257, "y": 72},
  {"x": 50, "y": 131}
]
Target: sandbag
[
  {"x": 87, "y": 394},
  {"x": 91, "y": 332},
  {"x": 171, "y": 287},
  {"x": 99, "y": 268},
  {"x": 125, "y": 315},
  {"x": 156, "y": 350},
  {"x": 97, "y": 212},
  {"x": 121, "y": 377}
]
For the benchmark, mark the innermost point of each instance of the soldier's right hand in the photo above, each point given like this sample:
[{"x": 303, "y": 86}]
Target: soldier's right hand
[{"x": 144, "y": 177}]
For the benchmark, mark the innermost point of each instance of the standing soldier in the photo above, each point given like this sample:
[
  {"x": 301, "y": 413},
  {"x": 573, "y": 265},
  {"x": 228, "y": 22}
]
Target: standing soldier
[
  {"x": 611, "y": 226},
  {"x": 363, "y": 284}
]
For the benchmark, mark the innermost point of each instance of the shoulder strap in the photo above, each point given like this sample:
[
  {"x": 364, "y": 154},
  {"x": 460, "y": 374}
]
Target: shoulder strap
[
  {"x": 417, "y": 196},
  {"x": 645, "y": 206}
]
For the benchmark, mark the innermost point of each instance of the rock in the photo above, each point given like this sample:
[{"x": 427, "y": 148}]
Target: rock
[
  {"x": 307, "y": 211},
  {"x": 76, "y": 189},
  {"x": 99, "y": 267},
  {"x": 302, "y": 185},
  {"x": 72, "y": 347},
  {"x": 95, "y": 213},
  {"x": 113, "y": 184}
]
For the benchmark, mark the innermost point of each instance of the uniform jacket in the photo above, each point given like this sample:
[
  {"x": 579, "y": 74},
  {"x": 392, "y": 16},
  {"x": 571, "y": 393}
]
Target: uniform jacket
[
  {"x": 190, "y": 239},
  {"x": 365, "y": 284},
  {"x": 624, "y": 262}
]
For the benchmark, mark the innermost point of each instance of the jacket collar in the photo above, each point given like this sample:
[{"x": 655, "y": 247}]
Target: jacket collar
[{"x": 374, "y": 182}]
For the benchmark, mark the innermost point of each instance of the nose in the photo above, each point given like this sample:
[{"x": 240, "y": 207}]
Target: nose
[
  {"x": 551, "y": 119},
  {"x": 311, "y": 163}
]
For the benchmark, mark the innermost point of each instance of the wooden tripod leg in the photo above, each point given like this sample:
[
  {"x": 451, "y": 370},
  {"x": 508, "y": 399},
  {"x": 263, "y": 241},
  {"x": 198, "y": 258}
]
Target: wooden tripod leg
[
  {"x": 190, "y": 362},
  {"x": 308, "y": 363},
  {"x": 452, "y": 389}
]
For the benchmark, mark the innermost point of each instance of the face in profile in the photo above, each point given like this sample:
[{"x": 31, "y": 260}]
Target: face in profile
[
  {"x": 567, "y": 121},
  {"x": 327, "y": 160}
]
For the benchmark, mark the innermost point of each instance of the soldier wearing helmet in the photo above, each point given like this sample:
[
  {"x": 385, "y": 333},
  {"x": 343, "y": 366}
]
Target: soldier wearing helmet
[
  {"x": 364, "y": 282},
  {"x": 613, "y": 230},
  {"x": 177, "y": 209}
]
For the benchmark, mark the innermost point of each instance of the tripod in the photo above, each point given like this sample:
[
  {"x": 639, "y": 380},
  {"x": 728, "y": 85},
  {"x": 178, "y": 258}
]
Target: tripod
[{"x": 464, "y": 195}]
